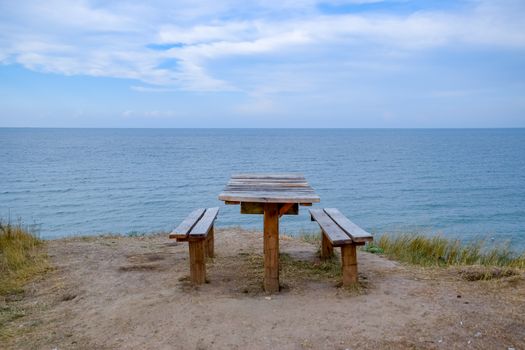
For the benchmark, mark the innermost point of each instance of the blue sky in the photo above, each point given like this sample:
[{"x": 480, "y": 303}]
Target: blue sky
[{"x": 288, "y": 63}]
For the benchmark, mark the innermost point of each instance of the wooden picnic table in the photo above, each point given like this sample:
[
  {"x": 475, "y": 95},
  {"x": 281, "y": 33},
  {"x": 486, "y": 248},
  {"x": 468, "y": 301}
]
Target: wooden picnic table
[{"x": 272, "y": 195}]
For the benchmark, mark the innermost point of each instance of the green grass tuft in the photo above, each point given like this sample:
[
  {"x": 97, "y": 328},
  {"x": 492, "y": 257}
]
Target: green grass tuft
[
  {"x": 371, "y": 247},
  {"x": 438, "y": 251}
]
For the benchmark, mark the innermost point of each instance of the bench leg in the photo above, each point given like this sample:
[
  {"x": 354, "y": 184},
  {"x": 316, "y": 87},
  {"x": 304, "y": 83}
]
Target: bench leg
[
  {"x": 210, "y": 244},
  {"x": 327, "y": 250},
  {"x": 197, "y": 261},
  {"x": 349, "y": 264}
]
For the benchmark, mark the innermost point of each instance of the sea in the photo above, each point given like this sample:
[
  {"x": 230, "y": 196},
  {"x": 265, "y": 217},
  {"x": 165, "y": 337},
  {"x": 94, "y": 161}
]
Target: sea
[{"x": 459, "y": 183}]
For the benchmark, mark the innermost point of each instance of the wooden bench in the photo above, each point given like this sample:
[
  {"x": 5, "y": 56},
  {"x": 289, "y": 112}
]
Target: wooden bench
[
  {"x": 197, "y": 230},
  {"x": 338, "y": 231}
]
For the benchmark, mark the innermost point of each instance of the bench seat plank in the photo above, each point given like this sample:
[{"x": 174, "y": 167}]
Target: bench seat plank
[
  {"x": 202, "y": 227},
  {"x": 357, "y": 233},
  {"x": 335, "y": 234},
  {"x": 181, "y": 232}
]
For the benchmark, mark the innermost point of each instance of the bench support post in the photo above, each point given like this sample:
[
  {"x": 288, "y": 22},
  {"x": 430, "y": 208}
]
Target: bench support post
[
  {"x": 327, "y": 249},
  {"x": 197, "y": 261},
  {"x": 349, "y": 264},
  {"x": 271, "y": 248},
  {"x": 210, "y": 244}
]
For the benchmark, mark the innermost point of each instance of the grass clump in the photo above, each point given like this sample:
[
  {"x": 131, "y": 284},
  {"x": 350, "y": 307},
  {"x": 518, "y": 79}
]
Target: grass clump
[
  {"x": 438, "y": 251},
  {"x": 313, "y": 237},
  {"x": 21, "y": 257},
  {"x": 373, "y": 248}
]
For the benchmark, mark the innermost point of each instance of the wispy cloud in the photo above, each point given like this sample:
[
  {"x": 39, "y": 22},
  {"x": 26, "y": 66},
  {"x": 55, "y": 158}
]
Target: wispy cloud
[{"x": 115, "y": 40}]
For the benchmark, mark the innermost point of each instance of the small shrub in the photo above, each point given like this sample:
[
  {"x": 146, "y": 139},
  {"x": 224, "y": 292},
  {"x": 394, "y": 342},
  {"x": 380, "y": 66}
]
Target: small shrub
[{"x": 373, "y": 248}]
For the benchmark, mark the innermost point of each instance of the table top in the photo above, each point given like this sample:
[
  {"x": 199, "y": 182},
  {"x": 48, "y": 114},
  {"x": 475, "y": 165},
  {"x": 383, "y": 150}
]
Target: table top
[{"x": 269, "y": 188}]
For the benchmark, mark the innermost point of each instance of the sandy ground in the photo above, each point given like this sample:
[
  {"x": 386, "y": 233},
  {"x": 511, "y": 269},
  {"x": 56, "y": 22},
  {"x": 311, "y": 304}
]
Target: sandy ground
[{"x": 133, "y": 293}]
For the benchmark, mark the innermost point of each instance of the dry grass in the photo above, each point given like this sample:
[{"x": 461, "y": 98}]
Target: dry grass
[
  {"x": 438, "y": 251},
  {"x": 312, "y": 237},
  {"x": 293, "y": 271},
  {"x": 21, "y": 259}
]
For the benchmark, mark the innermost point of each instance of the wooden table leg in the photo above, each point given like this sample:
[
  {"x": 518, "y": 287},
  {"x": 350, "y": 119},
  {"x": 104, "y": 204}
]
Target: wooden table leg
[{"x": 271, "y": 248}]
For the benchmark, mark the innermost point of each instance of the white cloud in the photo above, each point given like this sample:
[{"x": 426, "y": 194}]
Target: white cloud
[{"x": 86, "y": 38}]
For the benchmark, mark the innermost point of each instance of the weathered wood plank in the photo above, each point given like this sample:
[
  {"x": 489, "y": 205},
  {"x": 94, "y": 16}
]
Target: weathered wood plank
[
  {"x": 267, "y": 176},
  {"x": 202, "y": 228},
  {"x": 334, "y": 233},
  {"x": 252, "y": 208},
  {"x": 267, "y": 185},
  {"x": 267, "y": 188},
  {"x": 302, "y": 191},
  {"x": 246, "y": 180},
  {"x": 354, "y": 231},
  {"x": 258, "y": 208},
  {"x": 269, "y": 182},
  {"x": 269, "y": 197},
  {"x": 181, "y": 232}
]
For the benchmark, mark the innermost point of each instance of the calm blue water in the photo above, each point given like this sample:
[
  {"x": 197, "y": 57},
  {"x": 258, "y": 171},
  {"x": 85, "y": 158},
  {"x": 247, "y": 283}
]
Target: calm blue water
[{"x": 461, "y": 183}]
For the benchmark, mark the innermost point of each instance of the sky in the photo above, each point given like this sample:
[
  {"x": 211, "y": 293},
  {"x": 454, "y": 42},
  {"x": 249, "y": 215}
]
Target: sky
[{"x": 286, "y": 63}]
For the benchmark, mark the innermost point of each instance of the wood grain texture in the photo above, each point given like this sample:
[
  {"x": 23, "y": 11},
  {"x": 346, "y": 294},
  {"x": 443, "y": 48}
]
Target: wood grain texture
[
  {"x": 258, "y": 208},
  {"x": 252, "y": 208},
  {"x": 204, "y": 225},
  {"x": 197, "y": 261},
  {"x": 354, "y": 231},
  {"x": 327, "y": 249},
  {"x": 335, "y": 234},
  {"x": 210, "y": 243},
  {"x": 181, "y": 232},
  {"x": 349, "y": 264},
  {"x": 268, "y": 176},
  {"x": 269, "y": 197},
  {"x": 269, "y": 188},
  {"x": 271, "y": 248},
  {"x": 286, "y": 207}
]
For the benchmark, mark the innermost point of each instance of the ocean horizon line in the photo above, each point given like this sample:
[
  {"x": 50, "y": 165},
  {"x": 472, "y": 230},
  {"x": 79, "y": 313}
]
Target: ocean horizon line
[{"x": 260, "y": 128}]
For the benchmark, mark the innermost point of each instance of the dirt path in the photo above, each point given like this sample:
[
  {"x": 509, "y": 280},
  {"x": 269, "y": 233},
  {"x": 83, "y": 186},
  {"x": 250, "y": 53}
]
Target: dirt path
[{"x": 132, "y": 293}]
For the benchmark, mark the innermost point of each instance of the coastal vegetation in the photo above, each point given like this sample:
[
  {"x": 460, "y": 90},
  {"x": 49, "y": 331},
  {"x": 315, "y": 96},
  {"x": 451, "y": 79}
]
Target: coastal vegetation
[
  {"x": 424, "y": 250},
  {"x": 21, "y": 257}
]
